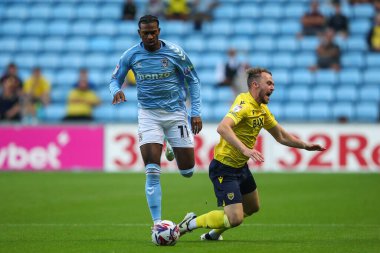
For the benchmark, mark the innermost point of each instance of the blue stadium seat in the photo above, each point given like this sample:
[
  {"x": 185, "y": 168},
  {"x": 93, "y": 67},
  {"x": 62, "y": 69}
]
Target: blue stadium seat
[
  {"x": 370, "y": 93},
  {"x": 107, "y": 28},
  {"x": 360, "y": 27},
  {"x": 302, "y": 76},
  {"x": 363, "y": 11},
  {"x": 82, "y": 28},
  {"x": 128, "y": 28},
  {"x": 54, "y": 112},
  {"x": 373, "y": 60},
  {"x": 287, "y": 43},
  {"x": 49, "y": 60},
  {"x": 27, "y": 60},
  {"x": 324, "y": 77},
  {"x": 357, "y": 43},
  {"x": 319, "y": 111},
  {"x": 347, "y": 93},
  {"x": 208, "y": 94},
  {"x": 272, "y": 10},
  {"x": 54, "y": 44},
  {"x": 219, "y": 27},
  {"x": 41, "y": 11},
  {"x": 217, "y": 43},
  {"x": 72, "y": 60},
  {"x": 241, "y": 43},
  {"x": 100, "y": 78},
  {"x": 294, "y": 111},
  {"x": 64, "y": 11},
  {"x": 276, "y": 109},
  {"x": 305, "y": 59},
  {"x": 35, "y": 28},
  {"x": 309, "y": 43},
  {"x": 220, "y": 110},
  {"x": 281, "y": 77},
  {"x": 264, "y": 43},
  {"x": 59, "y": 94},
  {"x": 194, "y": 43},
  {"x": 8, "y": 44},
  {"x": 66, "y": 77},
  {"x": 212, "y": 59},
  {"x": 207, "y": 77},
  {"x": 298, "y": 93},
  {"x": 17, "y": 11},
  {"x": 5, "y": 59},
  {"x": 77, "y": 44},
  {"x": 101, "y": 44},
  {"x": 371, "y": 76},
  {"x": 104, "y": 94},
  {"x": 368, "y": 112},
  {"x": 225, "y": 11},
  {"x": 290, "y": 27},
  {"x": 131, "y": 94},
  {"x": 343, "y": 109},
  {"x": 122, "y": 43},
  {"x": 208, "y": 112},
  {"x": 294, "y": 10},
  {"x": 260, "y": 59},
  {"x": 104, "y": 112},
  {"x": 244, "y": 27},
  {"x": 14, "y": 27},
  {"x": 284, "y": 60},
  {"x": 224, "y": 94},
  {"x": 350, "y": 76},
  {"x": 126, "y": 112},
  {"x": 268, "y": 27},
  {"x": 280, "y": 93},
  {"x": 248, "y": 11},
  {"x": 323, "y": 93},
  {"x": 30, "y": 44},
  {"x": 96, "y": 60},
  {"x": 59, "y": 27},
  {"x": 175, "y": 28},
  {"x": 110, "y": 11},
  {"x": 86, "y": 11},
  {"x": 352, "y": 60}
]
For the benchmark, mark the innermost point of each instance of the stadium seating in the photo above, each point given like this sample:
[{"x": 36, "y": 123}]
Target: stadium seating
[{"x": 63, "y": 36}]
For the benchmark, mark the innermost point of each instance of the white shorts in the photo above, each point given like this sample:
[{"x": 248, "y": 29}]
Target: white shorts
[{"x": 155, "y": 124}]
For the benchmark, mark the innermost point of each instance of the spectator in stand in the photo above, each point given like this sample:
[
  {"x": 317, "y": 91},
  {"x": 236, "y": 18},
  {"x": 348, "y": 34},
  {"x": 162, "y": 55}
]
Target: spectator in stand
[
  {"x": 155, "y": 8},
  {"x": 373, "y": 37},
  {"x": 203, "y": 11},
  {"x": 11, "y": 72},
  {"x": 177, "y": 9},
  {"x": 129, "y": 10},
  {"x": 376, "y": 4},
  {"x": 313, "y": 22},
  {"x": 36, "y": 95},
  {"x": 81, "y": 100},
  {"x": 328, "y": 53},
  {"x": 10, "y": 105},
  {"x": 226, "y": 71},
  {"x": 338, "y": 22}
]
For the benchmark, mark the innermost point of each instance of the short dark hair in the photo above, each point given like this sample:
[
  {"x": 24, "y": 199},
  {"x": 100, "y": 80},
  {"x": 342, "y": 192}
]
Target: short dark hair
[
  {"x": 148, "y": 19},
  {"x": 254, "y": 74}
]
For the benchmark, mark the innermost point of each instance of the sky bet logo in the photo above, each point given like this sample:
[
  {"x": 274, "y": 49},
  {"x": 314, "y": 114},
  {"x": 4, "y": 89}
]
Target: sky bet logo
[{"x": 154, "y": 76}]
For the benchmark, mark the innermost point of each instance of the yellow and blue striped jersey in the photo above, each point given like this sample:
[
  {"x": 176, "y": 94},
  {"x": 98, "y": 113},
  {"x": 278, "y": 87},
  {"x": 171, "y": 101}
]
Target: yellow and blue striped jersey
[{"x": 249, "y": 118}]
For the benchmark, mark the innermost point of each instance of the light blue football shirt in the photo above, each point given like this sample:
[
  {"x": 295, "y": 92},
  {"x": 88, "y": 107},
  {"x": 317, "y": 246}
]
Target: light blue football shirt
[{"x": 161, "y": 76}]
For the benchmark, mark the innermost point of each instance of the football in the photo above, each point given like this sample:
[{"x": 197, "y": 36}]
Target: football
[{"x": 165, "y": 233}]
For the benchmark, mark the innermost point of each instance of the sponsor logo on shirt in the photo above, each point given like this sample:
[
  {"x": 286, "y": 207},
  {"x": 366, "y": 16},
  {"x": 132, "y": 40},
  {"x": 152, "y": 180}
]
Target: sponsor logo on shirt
[{"x": 154, "y": 76}]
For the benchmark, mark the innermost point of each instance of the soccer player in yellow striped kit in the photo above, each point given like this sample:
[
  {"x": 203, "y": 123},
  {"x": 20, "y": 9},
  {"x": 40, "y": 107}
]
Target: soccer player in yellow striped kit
[{"x": 234, "y": 185}]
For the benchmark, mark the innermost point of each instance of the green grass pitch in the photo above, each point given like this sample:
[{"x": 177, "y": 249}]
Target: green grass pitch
[{"x": 99, "y": 212}]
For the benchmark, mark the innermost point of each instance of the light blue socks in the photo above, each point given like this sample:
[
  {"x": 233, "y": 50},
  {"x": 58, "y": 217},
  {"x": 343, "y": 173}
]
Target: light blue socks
[{"x": 153, "y": 190}]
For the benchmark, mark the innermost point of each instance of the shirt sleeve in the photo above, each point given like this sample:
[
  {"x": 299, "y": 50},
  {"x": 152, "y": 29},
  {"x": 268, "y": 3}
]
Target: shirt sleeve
[
  {"x": 119, "y": 74},
  {"x": 237, "y": 111},
  {"x": 269, "y": 120}
]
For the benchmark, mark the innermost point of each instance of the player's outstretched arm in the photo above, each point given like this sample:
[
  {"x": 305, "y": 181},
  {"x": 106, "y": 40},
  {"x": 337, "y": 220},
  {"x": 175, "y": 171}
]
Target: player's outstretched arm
[
  {"x": 119, "y": 98},
  {"x": 225, "y": 129},
  {"x": 287, "y": 139}
]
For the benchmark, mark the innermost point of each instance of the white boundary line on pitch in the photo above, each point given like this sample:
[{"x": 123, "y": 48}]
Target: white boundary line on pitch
[{"x": 143, "y": 225}]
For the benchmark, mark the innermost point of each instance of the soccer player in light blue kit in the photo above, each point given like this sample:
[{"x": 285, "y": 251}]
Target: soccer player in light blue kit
[{"x": 163, "y": 72}]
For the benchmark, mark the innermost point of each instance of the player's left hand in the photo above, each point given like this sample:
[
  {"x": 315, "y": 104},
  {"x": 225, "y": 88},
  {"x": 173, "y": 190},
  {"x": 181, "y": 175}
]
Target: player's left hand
[
  {"x": 196, "y": 125},
  {"x": 314, "y": 147}
]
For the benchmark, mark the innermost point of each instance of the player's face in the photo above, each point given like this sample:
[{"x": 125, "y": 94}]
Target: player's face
[
  {"x": 266, "y": 88},
  {"x": 149, "y": 35}
]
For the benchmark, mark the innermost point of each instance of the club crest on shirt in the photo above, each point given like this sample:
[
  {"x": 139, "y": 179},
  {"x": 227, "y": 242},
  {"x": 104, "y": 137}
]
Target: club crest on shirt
[
  {"x": 237, "y": 108},
  {"x": 165, "y": 62},
  {"x": 230, "y": 196}
]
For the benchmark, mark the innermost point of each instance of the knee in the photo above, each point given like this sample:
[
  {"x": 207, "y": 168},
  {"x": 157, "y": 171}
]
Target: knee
[
  {"x": 235, "y": 219},
  {"x": 252, "y": 210}
]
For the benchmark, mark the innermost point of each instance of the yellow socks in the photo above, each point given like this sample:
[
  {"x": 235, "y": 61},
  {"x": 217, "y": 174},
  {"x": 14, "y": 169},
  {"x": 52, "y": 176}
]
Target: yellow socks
[{"x": 213, "y": 219}]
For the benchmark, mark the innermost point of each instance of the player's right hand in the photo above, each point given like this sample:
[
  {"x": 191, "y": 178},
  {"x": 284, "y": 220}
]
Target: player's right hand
[{"x": 119, "y": 98}]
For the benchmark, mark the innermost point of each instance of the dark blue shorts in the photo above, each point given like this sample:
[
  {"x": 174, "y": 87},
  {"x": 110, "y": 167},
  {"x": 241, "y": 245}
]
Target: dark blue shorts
[{"x": 230, "y": 184}]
